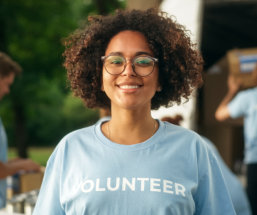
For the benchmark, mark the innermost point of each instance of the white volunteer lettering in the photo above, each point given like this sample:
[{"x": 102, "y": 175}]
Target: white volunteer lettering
[
  {"x": 154, "y": 184},
  {"x": 87, "y": 186},
  {"x": 142, "y": 180},
  {"x": 116, "y": 187},
  {"x": 167, "y": 186},
  {"x": 133, "y": 184},
  {"x": 126, "y": 182},
  {"x": 179, "y": 188},
  {"x": 97, "y": 186}
]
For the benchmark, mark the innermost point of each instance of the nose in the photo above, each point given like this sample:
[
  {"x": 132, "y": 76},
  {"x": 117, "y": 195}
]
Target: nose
[{"x": 129, "y": 70}]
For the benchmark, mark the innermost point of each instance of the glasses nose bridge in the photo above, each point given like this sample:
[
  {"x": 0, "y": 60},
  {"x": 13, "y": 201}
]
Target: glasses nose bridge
[{"x": 127, "y": 60}]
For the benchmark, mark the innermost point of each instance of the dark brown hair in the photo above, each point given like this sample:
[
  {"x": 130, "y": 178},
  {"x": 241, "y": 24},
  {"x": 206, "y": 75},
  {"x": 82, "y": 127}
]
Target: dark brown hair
[
  {"x": 180, "y": 64},
  {"x": 8, "y": 66}
]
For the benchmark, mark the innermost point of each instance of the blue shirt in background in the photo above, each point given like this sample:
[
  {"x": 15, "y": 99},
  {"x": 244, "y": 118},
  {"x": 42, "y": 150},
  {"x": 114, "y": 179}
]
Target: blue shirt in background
[
  {"x": 3, "y": 158},
  {"x": 245, "y": 105}
]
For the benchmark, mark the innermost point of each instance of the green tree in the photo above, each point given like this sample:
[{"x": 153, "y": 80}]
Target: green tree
[{"x": 39, "y": 109}]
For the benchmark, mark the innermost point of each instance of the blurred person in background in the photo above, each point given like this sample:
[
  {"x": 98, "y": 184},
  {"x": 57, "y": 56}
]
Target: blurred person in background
[
  {"x": 132, "y": 62},
  {"x": 243, "y": 103},
  {"x": 235, "y": 188},
  {"x": 8, "y": 70}
]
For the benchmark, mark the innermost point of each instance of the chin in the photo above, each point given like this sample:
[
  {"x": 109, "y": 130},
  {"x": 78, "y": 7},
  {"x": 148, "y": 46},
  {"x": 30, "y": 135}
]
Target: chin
[
  {"x": 133, "y": 105},
  {"x": 129, "y": 107}
]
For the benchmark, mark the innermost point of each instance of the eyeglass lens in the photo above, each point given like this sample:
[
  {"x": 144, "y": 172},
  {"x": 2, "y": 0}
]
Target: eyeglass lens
[{"x": 142, "y": 65}]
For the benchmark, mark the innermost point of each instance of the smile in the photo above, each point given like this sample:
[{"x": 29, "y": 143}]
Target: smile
[{"x": 129, "y": 86}]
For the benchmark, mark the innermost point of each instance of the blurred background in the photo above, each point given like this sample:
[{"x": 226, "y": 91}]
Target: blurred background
[{"x": 41, "y": 109}]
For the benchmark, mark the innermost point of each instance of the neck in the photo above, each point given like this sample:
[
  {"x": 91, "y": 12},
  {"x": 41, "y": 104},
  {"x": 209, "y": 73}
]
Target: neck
[{"x": 130, "y": 127}]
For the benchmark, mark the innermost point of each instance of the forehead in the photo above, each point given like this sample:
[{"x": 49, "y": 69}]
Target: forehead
[{"x": 128, "y": 43}]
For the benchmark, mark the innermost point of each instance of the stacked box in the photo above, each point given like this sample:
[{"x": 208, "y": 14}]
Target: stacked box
[
  {"x": 241, "y": 64},
  {"x": 24, "y": 182}
]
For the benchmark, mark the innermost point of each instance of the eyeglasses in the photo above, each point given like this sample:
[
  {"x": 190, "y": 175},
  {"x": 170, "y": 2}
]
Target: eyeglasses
[{"x": 116, "y": 64}]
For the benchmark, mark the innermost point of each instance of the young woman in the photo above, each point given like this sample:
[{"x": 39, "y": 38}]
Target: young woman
[{"x": 130, "y": 163}]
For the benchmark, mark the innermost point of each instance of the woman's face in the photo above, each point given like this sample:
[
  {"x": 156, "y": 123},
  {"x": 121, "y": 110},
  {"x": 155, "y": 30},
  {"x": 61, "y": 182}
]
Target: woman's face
[{"x": 129, "y": 90}]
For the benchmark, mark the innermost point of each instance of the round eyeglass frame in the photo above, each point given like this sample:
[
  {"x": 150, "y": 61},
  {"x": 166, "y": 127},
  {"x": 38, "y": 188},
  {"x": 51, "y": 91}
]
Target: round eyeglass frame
[{"x": 155, "y": 60}]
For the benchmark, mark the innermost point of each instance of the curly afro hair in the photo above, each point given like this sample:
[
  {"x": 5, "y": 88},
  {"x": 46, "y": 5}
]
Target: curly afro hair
[{"x": 180, "y": 64}]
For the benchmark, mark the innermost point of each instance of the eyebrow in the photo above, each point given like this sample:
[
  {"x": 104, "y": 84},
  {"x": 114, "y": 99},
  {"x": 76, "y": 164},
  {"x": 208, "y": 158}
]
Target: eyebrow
[{"x": 137, "y": 53}]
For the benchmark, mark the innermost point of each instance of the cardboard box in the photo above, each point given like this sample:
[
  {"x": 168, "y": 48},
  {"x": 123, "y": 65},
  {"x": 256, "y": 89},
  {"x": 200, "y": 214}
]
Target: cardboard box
[
  {"x": 241, "y": 63},
  {"x": 30, "y": 181}
]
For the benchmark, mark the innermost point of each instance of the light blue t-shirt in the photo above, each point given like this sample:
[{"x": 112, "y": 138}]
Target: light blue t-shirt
[
  {"x": 235, "y": 188},
  {"x": 173, "y": 172},
  {"x": 3, "y": 158},
  {"x": 245, "y": 104}
]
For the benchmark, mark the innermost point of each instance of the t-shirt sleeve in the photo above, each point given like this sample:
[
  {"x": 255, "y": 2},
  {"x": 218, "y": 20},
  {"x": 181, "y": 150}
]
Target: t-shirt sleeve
[
  {"x": 48, "y": 201},
  {"x": 233, "y": 184},
  {"x": 212, "y": 196},
  {"x": 239, "y": 105}
]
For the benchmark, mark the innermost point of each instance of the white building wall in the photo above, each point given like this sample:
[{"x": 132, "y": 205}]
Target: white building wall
[{"x": 187, "y": 13}]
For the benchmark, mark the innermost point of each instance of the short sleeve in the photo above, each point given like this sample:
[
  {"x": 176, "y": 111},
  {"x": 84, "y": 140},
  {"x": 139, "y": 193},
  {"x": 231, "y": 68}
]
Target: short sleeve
[
  {"x": 239, "y": 105},
  {"x": 212, "y": 196},
  {"x": 48, "y": 201}
]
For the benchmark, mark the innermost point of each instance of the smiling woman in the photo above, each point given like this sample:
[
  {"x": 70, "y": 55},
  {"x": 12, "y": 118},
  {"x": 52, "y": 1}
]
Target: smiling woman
[{"x": 129, "y": 163}]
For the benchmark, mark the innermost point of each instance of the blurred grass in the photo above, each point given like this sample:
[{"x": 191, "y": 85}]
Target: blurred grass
[{"x": 37, "y": 154}]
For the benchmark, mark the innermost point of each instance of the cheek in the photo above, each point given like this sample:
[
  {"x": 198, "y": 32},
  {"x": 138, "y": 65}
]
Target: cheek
[
  {"x": 106, "y": 80},
  {"x": 158, "y": 86}
]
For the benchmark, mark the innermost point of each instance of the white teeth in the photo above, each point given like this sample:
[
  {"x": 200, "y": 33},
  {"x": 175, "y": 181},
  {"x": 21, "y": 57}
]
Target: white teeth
[{"x": 129, "y": 86}]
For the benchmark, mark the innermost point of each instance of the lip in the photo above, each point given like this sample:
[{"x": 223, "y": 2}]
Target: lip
[{"x": 129, "y": 86}]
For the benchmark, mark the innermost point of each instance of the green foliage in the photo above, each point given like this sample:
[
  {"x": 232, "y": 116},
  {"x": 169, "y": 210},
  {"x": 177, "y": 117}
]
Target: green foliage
[
  {"x": 31, "y": 33},
  {"x": 75, "y": 111},
  {"x": 40, "y": 155}
]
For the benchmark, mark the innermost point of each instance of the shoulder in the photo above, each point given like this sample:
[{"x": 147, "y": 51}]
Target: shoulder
[
  {"x": 250, "y": 90},
  {"x": 190, "y": 147},
  {"x": 77, "y": 134},
  {"x": 248, "y": 93},
  {"x": 241, "y": 103},
  {"x": 182, "y": 137},
  {"x": 84, "y": 136},
  {"x": 76, "y": 139},
  {"x": 71, "y": 145},
  {"x": 171, "y": 129}
]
